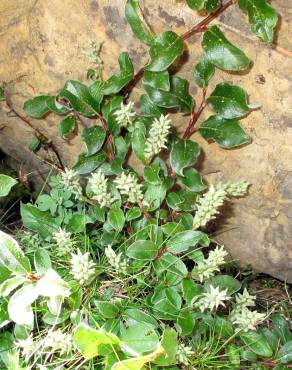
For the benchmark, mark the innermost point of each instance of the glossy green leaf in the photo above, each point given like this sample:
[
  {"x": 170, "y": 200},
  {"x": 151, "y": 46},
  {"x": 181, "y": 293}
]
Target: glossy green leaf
[
  {"x": 172, "y": 228},
  {"x": 11, "y": 284},
  {"x": 57, "y": 107},
  {"x": 191, "y": 291},
  {"x": 137, "y": 23},
  {"x": 154, "y": 196},
  {"x": 169, "y": 343},
  {"x": 184, "y": 153},
  {"x": 107, "y": 309},
  {"x": 42, "y": 261},
  {"x": 6, "y": 184},
  {"x": 225, "y": 282},
  {"x": 257, "y": 343},
  {"x": 227, "y": 133},
  {"x": 222, "y": 53},
  {"x": 151, "y": 174},
  {"x": 67, "y": 126},
  {"x": 173, "y": 269},
  {"x": 186, "y": 323},
  {"x": 89, "y": 341},
  {"x": 165, "y": 49},
  {"x": 262, "y": 17},
  {"x": 87, "y": 164},
  {"x": 192, "y": 179},
  {"x": 116, "y": 219},
  {"x": 284, "y": 354},
  {"x": 94, "y": 138},
  {"x": 140, "y": 337},
  {"x": 229, "y": 101},
  {"x": 117, "y": 81},
  {"x": 80, "y": 98},
  {"x": 41, "y": 222},
  {"x": 37, "y": 107},
  {"x": 133, "y": 213},
  {"x": 138, "y": 143},
  {"x": 157, "y": 80},
  {"x": 183, "y": 241},
  {"x": 11, "y": 255},
  {"x": 196, "y": 4},
  {"x": 209, "y": 5},
  {"x": 177, "y": 97},
  {"x": 143, "y": 250},
  {"x": 281, "y": 328},
  {"x": 78, "y": 222},
  {"x": 204, "y": 71},
  {"x": 148, "y": 108}
]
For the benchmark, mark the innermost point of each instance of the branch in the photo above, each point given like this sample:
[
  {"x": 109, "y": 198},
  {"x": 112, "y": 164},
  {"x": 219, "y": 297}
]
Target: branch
[
  {"x": 195, "y": 116},
  {"x": 39, "y": 134},
  {"x": 199, "y": 27}
]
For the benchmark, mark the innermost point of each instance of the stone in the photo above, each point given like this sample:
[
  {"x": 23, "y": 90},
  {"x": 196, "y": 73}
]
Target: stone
[{"x": 42, "y": 44}]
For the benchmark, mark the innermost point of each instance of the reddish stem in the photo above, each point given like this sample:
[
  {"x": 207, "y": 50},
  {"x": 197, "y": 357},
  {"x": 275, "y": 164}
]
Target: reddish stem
[
  {"x": 200, "y": 27},
  {"x": 111, "y": 153},
  {"x": 194, "y": 117}
]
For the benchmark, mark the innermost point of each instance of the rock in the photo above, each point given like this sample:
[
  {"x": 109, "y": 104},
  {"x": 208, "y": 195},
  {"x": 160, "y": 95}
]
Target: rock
[{"x": 42, "y": 46}]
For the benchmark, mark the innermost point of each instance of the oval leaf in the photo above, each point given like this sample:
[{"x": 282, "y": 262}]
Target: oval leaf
[
  {"x": 94, "y": 138},
  {"x": 143, "y": 250},
  {"x": 6, "y": 183},
  {"x": 184, "y": 153}
]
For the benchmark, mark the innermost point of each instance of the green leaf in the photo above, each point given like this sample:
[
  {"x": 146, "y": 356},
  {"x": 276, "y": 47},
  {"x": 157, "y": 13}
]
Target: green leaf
[
  {"x": 186, "y": 323},
  {"x": 67, "y": 126},
  {"x": 87, "y": 164},
  {"x": 142, "y": 250},
  {"x": 157, "y": 80},
  {"x": 166, "y": 303},
  {"x": 37, "y": 107},
  {"x": 196, "y": 4},
  {"x": 183, "y": 241},
  {"x": 138, "y": 26},
  {"x": 34, "y": 145},
  {"x": 169, "y": 343},
  {"x": 6, "y": 184},
  {"x": 137, "y": 363},
  {"x": 227, "y": 133},
  {"x": 140, "y": 316},
  {"x": 148, "y": 108},
  {"x": 229, "y": 101},
  {"x": 285, "y": 353},
  {"x": 117, "y": 81},
  {"x": 11, "y": 284},
  {"x": 177, "y": 97},
  {"x": 133, "y": 213},
  {"x": 2, "y": 94},
  {"x": 116, "y": 219},
  {"x": 281, "y": 328},
  {"x": 203, "y": 73},
  {"x": 90, "y": 342},
  {"x": 56, "y": 107},
  {"x": 172, "y": 228},
  {"x": 138, "y": 143},
  {"x": 94, "y": 138},
  {"x": 42, "y": 261},
  {"x": 107, "y": 309},
  {"x": 140, "y": 337},
  {"x": 80, "y": 98},
  {"x": 151, "y": 174},
  {"x": 165, "y": 49},
  {"x": 191, "y": 291},
  {"x": 193, "y": 180},
  {"x": 262, "y": 17},
  {"x": 41, "y": 222},
  {"x": 224, "y": 282},
  {"x": 222, "y": 53},
  {"x": 257, "y": 343},
  {"x": 184, "y": 153},
  {"x": 154, "y": 196},
  {"x": 78, "y": 222},
  {"x": 11, "y": 255},
  {"x": 172, "y": 267}
]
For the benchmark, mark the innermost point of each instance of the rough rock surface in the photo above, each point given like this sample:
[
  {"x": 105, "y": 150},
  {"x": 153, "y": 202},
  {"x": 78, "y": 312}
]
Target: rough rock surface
[{"x": 41, "y": 46}]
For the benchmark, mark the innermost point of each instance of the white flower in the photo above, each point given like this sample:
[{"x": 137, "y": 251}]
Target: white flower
[
  {"x": 157, "y": 136},
  {"x": 58, "y": 341},
  {"x": 208, "y": 204},
  {"x": 183, "y": 353},
  {"x": 212, "y": 299},
  {"x": 70, "y": 180},
  {"x": 128, "y": 185},
  {"x": 245, "y": 299},
  {"x": 98, "y": 185},
  {"x": 125, "y": 115},
  {"x": 63, "y": 241},
  {"x": 116, "y": 260},
  {"x": 27, "y": 346},
  {"x": 82, "y": 268},
  {"x": 207, "y": 267},
  {"x": 246, "y": 319},
  {"x": 236, "y": 189}
]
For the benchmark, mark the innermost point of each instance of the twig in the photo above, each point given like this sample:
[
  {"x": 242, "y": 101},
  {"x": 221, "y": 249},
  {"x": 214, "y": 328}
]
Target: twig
[
  {"x": 194, "y": 117},
  {"x": 39, "y": 134},
  {"x": 199, "y": 27}
]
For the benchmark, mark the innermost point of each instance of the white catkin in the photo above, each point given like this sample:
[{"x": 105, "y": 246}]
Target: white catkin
[
  {"x": 128, "y": 185},
  {"x": 125, "y": 115},
  {"x": 98, "y": 185},
  {"x": 82, "y": 267}
]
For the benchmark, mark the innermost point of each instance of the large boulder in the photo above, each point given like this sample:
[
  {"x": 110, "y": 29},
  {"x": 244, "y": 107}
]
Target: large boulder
[{"x": 42, "y": 44}]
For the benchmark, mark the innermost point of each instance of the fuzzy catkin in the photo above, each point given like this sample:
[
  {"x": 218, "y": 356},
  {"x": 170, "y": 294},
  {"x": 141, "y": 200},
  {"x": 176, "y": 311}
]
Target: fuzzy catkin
[{"x": 157, "y": 137}]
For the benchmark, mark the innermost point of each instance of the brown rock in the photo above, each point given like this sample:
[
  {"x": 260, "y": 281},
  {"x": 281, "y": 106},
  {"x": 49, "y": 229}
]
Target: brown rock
[{"x": 41, "y": 46}]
